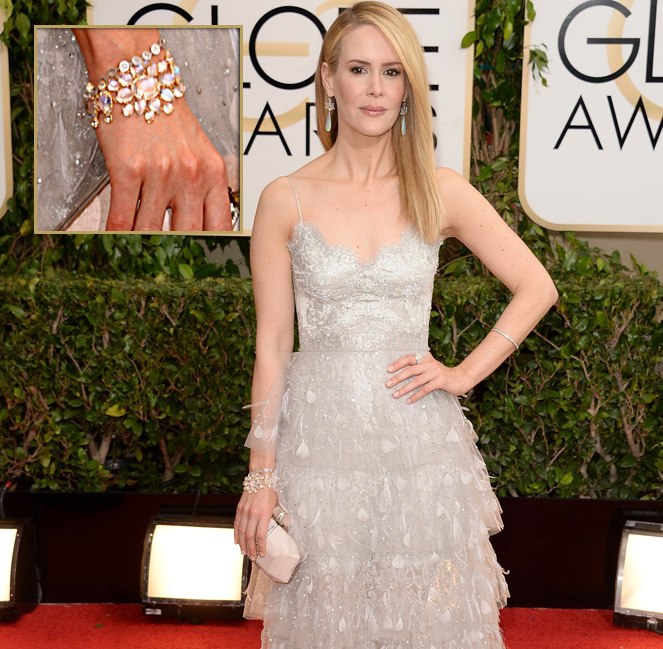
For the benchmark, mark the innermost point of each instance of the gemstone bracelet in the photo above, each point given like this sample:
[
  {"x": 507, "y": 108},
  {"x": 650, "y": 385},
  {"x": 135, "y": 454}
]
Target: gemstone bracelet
[{"x": 142, "y": 86}]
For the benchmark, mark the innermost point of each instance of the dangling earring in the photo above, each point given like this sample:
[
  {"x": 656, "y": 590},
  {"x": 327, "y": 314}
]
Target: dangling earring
[
  {"x": 330, "y": 106},
  {"x": 403, "y": 113}
]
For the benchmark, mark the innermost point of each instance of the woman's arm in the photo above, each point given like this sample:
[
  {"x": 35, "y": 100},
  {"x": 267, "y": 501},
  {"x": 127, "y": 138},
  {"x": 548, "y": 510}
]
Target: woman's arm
[
  {"x": 273, "y": 294},
  {"x": 169, "y": 163},
  {"x": 274, "y": 299},
  {"x": 471, "y": 219}
]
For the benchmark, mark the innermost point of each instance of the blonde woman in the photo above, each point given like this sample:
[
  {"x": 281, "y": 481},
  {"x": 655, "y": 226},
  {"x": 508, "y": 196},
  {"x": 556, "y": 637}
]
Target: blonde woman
[{"x": 360, "y": 433}]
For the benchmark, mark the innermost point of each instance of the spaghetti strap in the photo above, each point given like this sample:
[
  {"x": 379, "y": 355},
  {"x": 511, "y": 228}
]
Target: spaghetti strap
[{"x": 299, "y": 209}]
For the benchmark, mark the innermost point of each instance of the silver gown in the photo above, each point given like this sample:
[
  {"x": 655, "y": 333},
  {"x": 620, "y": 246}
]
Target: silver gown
[{"x": 391, "y": 503}]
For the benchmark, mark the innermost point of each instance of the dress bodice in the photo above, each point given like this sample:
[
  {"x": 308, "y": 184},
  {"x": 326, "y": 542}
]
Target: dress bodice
[{"x": 344, "y": 303}]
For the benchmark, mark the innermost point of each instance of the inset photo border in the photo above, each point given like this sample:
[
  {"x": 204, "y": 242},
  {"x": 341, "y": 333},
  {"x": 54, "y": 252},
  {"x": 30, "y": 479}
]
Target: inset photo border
[{"x": 165, "y": 120}]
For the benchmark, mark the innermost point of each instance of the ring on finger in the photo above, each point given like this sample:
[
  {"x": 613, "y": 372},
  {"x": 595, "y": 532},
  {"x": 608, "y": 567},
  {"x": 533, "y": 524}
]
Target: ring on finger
[{"x": 418, "y": 357}]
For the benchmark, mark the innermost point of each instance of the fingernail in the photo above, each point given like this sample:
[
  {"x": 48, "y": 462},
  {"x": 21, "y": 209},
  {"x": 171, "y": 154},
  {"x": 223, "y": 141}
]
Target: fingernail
[
  {"x": 262, "y": 554},
  {"x": 388, "y": 384},
  {"x": 390, "y": 368},
  {"x": 396, "y": 394}
]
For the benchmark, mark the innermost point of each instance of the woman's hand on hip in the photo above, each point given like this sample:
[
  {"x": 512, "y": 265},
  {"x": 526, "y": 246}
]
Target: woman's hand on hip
[
  {"x": 254, "y": 512},
  {"x": 416, "y": 380}
]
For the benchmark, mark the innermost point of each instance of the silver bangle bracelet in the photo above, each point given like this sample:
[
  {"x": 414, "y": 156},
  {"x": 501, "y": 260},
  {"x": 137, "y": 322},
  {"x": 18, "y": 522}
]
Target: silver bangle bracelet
[{"x": 511, "y": 340}]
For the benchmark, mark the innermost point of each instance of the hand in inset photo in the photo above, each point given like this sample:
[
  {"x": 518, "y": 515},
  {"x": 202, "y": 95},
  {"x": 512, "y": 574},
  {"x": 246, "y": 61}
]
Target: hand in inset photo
[{"x": 147, "y": 118}]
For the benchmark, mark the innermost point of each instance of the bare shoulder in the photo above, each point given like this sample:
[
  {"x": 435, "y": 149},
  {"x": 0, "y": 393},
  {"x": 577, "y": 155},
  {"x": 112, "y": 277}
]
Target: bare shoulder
[
  {"x": 278, "y": 195},
  {"x": 465, "y": 208},
  {"x": 451, "y": 182},
  {"x": 277, "y": 210}
]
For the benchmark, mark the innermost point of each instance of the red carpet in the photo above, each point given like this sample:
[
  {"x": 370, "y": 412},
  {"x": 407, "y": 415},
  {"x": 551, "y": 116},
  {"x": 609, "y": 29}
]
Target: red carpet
[{"x": 117, "y": 626}]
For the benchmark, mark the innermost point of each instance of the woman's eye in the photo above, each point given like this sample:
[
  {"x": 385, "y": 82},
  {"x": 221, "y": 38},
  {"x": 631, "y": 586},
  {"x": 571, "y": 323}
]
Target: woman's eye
[
  {"x": 357, "y": 69},
  {"x": 392, "y": 72}
]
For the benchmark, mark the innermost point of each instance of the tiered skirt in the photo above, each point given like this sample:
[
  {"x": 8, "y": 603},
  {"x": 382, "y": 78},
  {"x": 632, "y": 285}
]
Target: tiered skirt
[{"x": 391, "y": 508}]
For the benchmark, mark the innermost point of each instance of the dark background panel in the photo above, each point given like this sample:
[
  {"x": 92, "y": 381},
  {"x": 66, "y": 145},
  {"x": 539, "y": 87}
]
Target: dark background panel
[{"x": 558, "y": 552}]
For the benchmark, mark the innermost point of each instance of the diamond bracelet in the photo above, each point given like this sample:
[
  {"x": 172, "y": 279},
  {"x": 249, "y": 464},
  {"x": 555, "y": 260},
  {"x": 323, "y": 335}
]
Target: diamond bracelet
[
  {"x": 142, "y": 86},
  {"x": 256, "y": 480}
]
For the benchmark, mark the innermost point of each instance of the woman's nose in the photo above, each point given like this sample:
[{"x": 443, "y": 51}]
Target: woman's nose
[{"x": 375, "y": 86}]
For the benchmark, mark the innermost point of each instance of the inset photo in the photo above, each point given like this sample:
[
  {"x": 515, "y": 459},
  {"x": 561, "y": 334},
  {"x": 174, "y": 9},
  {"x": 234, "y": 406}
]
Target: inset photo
[{"x": 138, "y": 130}]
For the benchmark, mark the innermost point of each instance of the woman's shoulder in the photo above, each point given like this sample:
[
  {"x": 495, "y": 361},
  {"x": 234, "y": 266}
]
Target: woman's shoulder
[
  {"x": 455, "y": 189},
  {"x": 284, "y": 187},
  {"x": 312, "y": 172},
  {"x": 276, "y": 192},
  {"x": 459, "y": 198},
  {"x": 449, "y": 179},
  {"x": 277, "y": 211}
]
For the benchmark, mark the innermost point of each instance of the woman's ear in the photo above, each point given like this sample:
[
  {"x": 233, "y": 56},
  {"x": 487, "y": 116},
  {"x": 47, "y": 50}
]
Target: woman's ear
[{"x": 327, "y": 76}]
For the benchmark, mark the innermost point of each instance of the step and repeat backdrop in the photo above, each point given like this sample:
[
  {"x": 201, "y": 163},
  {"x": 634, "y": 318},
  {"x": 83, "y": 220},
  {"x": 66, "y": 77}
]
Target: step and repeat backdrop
[
  {"x": 591, "y": 151},
  {"x": 280, "y": 46}
]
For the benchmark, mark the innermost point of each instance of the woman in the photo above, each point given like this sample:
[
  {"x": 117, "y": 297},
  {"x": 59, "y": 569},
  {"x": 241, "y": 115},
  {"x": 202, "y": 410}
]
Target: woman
[{"x": 390, "y": 501}]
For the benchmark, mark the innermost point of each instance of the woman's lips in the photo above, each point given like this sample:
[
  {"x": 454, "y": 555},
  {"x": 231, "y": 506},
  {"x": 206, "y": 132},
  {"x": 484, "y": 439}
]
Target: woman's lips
[{"x": 373, "y": 110}]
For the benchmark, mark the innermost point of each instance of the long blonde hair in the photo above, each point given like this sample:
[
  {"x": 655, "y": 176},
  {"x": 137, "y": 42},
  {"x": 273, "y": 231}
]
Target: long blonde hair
[{"x": 413, "y": 152}]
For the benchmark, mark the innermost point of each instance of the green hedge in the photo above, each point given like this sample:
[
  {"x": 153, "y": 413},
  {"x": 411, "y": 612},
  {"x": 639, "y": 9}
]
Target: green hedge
[
  {"x": 149, "y": 375},
  {"x": 578, "y": 410},
  {"x": 108, "y": 384}
]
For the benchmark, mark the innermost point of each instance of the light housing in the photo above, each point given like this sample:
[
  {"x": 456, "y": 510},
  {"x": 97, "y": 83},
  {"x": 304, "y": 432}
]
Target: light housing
[
  {"x": 19, "y": 583},
  {"x": 639, "y": 583},
  {"x": 192, "y": 569}
]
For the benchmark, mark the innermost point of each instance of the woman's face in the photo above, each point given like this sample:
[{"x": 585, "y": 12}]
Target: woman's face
[{"x": 369, "y": 83}]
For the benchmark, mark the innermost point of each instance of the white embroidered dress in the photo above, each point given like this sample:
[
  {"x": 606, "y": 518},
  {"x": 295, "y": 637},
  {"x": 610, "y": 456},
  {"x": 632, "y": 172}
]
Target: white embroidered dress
[{"x": 390, "y": 502}]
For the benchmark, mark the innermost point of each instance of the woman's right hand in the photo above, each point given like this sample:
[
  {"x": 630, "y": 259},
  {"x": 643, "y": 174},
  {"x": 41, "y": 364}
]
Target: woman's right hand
[
  {"x": 170, "y": 163},
  {"x": 254, "y": 512}
]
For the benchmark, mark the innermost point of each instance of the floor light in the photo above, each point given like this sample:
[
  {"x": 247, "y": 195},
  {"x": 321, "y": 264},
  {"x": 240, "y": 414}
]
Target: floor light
[
  {"x": 192, "y": 568},
  {"x": 639, "y": 585},
  {"x": 19, "y": 585}
]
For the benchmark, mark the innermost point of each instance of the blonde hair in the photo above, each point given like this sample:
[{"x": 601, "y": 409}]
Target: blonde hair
[{"x": 413, "y": 152}]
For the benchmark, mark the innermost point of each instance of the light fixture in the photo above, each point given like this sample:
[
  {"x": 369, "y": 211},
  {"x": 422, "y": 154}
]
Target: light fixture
[
  {"x": 639, "y": 585},
  {"x": 192, "y": 568},
  {"x": 19, "y": 584}
]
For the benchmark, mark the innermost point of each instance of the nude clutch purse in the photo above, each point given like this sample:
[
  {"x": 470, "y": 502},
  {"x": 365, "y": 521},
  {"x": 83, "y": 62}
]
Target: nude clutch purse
[{"x": 281, "y": 556}]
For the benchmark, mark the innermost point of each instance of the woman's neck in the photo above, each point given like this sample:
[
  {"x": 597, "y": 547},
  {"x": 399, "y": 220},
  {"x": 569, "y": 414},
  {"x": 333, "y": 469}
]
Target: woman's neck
[{"x": 362, "y": 159}]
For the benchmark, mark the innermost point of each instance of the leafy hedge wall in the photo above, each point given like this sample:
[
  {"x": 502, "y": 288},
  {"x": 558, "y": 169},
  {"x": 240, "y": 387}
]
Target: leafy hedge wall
[
  {"x": 108, "y": 384},
  {"x": 578, "y": 410}
]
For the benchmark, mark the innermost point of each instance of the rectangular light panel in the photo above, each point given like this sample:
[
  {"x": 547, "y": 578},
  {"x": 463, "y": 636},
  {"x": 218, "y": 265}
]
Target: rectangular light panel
[
  {"x": 7, "y": 542},
  {"x": 642, "y": 583},
  {"x": 198, "y": 563}
]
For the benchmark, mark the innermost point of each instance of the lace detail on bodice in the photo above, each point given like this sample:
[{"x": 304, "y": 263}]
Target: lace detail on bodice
[{"x": 344, "y": 303}]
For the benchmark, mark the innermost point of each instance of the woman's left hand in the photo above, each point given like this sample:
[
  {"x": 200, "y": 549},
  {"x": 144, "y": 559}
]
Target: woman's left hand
[{"x": 428, "y": 375}]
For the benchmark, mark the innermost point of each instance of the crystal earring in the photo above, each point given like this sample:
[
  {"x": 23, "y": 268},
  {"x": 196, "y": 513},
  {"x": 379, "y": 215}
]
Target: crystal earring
[
  {"x": 403, "y": 113},
  {"x": 330, "y": 106}
]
